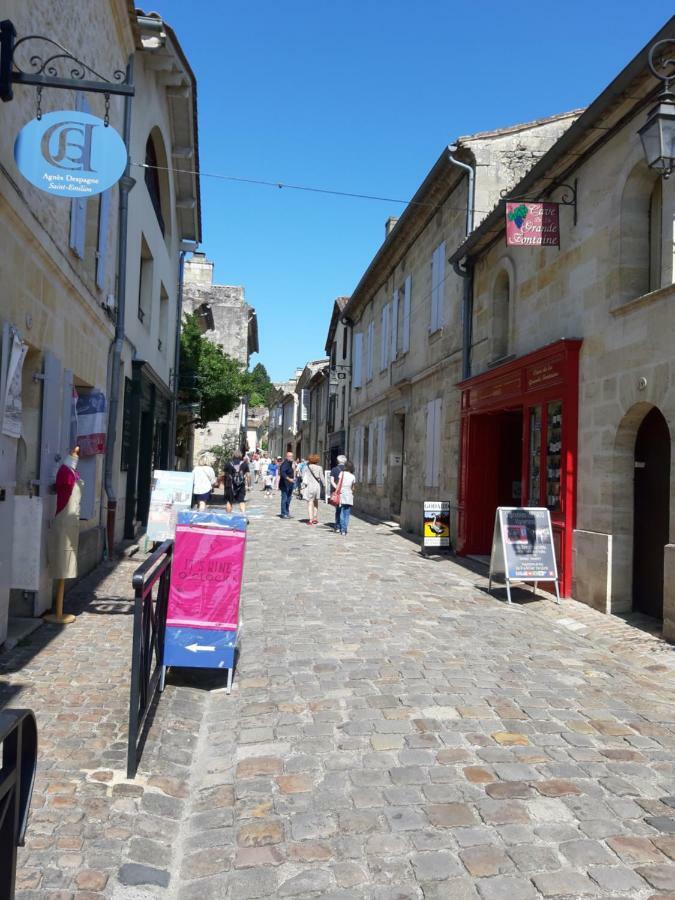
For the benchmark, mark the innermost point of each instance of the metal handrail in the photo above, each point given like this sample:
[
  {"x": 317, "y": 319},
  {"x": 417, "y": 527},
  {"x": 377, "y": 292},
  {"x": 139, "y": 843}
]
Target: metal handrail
[
  {"x": 18, "y": 758},
  {"x": 147, "y": 644}
]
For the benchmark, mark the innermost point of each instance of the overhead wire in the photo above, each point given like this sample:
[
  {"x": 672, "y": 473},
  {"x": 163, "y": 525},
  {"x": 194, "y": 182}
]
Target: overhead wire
[
  {"x": 300, "y": 187},
  {"x": 296, "y": 187}
]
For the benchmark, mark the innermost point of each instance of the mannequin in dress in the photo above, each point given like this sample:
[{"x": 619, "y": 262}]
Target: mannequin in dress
[{"x": 65, "y": 532}]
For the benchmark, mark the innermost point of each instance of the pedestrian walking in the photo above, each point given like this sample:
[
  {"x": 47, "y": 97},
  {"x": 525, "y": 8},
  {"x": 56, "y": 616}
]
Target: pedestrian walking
[
  {"x": 235, "y": 473},
  {"x": 255, "y": 467},
  {"x": 286, "y": 483},
  {"x": 346, "y": 484},
  {"x": 312, "y": 485},
  {"x": 277, "y": 473},
  {"x": 203, "y": 480},
  {"x": 335, "y": 473}
]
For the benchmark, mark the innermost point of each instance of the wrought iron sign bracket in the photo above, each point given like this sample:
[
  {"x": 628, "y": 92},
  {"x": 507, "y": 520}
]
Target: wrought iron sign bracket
[
  {"x": 44, "y": 68},
  {"x": 569, "y": 197}
]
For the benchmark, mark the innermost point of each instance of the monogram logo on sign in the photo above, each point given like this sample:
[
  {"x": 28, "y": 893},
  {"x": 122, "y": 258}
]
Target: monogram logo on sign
[{"x": 67, "y": 145}]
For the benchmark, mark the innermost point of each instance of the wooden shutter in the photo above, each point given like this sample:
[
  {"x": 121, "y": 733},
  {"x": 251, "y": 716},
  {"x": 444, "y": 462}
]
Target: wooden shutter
[
  {"x": 384, "y": 338},
  {"x": 102, "y": 247},
  {"x": 304, "y": 405},
  {"x": 371, "y": 449},
  {"x": 429, "y": 469},
  {"x": 358, "y": 360},
  {"x": 405, "y": 339},
  {"x": 394, "y": 326},
  {"x": 381, "y": 428},
  {"x": 371, "y": 348}
]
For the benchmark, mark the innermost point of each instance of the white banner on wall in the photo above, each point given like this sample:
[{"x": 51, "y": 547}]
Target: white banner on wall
[{"x": 11, "y": 402}]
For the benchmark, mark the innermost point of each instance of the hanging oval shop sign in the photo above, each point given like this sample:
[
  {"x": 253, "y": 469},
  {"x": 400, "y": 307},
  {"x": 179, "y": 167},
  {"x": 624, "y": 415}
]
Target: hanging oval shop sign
[{"x": 70, "y": 154}]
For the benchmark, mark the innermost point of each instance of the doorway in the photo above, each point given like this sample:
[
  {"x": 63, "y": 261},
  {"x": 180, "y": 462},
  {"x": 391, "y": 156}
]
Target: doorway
[
  {"x": 495, "y": 472},
  {"x": 144, "y": 468},
  {"x": 651, "y": 508}
]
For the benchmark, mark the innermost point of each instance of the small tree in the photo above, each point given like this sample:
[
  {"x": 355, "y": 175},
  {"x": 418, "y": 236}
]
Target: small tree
[
  {"x": 258, "y": 385},
  {"x": 207, "y": 375}
]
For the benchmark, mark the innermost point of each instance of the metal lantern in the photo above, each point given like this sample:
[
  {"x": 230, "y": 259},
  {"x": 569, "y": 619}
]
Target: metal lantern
[
  {"x": 658, "y": 132},
  {"x": 658, "y": 138}
]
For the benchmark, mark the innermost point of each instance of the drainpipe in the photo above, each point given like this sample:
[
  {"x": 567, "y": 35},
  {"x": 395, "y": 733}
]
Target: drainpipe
[
  {"x": 176, "y": 361},
  {"x": 466, "y": 273},
  {"x": 471, "y": 187},
  {"x": 126, "y": 183}
]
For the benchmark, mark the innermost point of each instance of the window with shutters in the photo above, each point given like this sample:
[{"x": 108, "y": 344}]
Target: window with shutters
[
  {"x": 433, "y": 432},
  {"x": 403, "y": 317},
  {"x": 145, "y": 285},
  {"x": 163, "y": 336},
  {"x": 91, "y": 234},
  {"x": 152, "y": 180},
  {"x": 437, "y": 288}
]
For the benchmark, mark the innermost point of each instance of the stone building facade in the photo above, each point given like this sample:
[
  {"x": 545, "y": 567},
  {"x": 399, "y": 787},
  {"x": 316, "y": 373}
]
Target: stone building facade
[
  {"x": 339, "y": 350},
  {"x": 592, "y": 416},
  {"x": 405, "y": 317},
  {"x": 235, "y": 329},
  {"x": 284, "y": 416},
  {"x": 164, "y": 223},
  {"x": 57, "y": 270},
  {"x": 312, "y": 393}
]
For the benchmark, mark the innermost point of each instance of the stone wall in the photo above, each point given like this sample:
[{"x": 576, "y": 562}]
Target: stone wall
[{"x": 627, "y": 366}]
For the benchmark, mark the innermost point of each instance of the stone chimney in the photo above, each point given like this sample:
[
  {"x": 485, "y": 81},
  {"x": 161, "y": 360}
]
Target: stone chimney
[
  {"x": 389, "y": 226},
  {"x": 198, "y": 270}
]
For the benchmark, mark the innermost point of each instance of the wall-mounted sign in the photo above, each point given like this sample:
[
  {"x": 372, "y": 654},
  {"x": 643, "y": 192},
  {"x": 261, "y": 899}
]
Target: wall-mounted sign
[
  {"x": 436, "y": 523},
  {"x": 70, "y": 154},
  {"x": 522, "y": 547},
  {"x": 532, "y": 224}
]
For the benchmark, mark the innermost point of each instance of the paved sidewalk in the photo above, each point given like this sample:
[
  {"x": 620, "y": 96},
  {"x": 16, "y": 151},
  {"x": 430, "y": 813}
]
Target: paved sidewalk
[{"x": 393, "y": 732}]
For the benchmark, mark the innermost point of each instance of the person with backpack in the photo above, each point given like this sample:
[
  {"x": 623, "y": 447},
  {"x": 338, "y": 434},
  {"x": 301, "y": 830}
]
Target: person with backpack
[
  {"x": 335, "y": 473},
  {"x": 235, "y": 473},
  {"x": 312, "y": 487}
]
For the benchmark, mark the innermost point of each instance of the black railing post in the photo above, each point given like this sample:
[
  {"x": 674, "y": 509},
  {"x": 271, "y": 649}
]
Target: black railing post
[
  {"x": 147, "y": 648},
  {"x": 18, "y": 758}
]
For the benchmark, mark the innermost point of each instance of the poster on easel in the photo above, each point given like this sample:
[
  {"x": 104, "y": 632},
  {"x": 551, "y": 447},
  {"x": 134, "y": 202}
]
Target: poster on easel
[
  {"x": 436, "y": 528},
  {"x": 171, "y": 492},
  {"x": 522, "y": 548}
]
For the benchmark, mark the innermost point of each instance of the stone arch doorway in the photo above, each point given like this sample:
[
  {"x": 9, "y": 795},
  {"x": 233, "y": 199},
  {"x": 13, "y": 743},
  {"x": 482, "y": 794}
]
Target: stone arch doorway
[{"x": 651, "y": 510}]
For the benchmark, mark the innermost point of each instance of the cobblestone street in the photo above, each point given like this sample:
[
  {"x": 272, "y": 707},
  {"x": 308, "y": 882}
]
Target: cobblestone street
[{"x": 393, "y": 732}]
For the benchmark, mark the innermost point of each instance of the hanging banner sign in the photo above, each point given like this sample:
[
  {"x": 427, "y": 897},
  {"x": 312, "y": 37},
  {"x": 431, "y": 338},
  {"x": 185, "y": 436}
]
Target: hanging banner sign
[
  {"x": 70, "y": 154},
  {"x": 522, "y": 547},
  {"x": 532, "y": 224},
  {"x": 436, "y": 523}
]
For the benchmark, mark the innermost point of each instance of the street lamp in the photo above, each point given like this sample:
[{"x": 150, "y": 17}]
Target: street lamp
[{"x": 658, "y": 132}]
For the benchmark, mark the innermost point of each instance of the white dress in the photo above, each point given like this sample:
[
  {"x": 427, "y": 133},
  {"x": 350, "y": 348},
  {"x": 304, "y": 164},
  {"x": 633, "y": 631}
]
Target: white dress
[{"x": 64, "y": 537}]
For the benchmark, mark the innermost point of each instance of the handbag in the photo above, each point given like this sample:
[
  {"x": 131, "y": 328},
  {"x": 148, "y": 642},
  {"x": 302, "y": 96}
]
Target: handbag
[
  {"x": 322, "y": 487},
  {"x": 334, "y": 498}
]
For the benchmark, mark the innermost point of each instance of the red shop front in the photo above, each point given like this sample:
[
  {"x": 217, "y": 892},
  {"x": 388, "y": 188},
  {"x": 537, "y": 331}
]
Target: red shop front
[{"x": 519, "y": 447}]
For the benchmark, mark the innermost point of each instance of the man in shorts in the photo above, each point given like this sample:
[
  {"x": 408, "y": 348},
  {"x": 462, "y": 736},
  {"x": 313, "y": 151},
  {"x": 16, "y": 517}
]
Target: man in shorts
[{"x": 235, "y": 473}]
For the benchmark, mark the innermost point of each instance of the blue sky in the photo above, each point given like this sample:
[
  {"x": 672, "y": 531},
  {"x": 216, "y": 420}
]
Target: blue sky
[{"x": 362, "y": 96}]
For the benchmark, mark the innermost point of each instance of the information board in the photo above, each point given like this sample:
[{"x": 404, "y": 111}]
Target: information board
[
  {"x": 171, "y": 491},
  {"x": 436, "y": 532},
  {"x": 522, "y": 547}
]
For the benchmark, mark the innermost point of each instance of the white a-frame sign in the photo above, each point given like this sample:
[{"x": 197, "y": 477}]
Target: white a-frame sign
[{"x": 522, "y": 548}]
